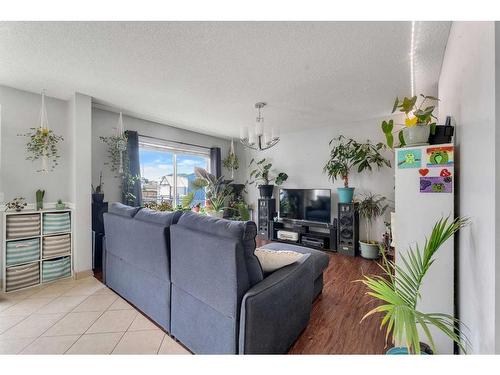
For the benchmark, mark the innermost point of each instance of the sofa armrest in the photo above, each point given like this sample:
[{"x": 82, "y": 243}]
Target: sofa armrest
[{"x": 275, "y": 311}]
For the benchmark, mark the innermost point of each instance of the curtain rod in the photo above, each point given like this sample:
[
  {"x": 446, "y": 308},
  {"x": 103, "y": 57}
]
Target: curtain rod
[{"x": 178, "y": 142}]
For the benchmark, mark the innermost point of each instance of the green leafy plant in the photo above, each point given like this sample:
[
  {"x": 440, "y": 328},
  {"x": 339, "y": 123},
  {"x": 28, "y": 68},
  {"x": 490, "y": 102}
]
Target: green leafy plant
[
  {"x": 42, "y": 144},
  {"x": 421, "y": 114},
  {"x": 370, "y": 207},
  {"x": 347, "y": 154},
  {"x": 262, "y": 172},
  {"x": 231, "y": 162},
  {"x": 117, "y": 145},
  {"x": 17, "y": 204},
  {"x": 217, "y": 190},
  {"x": 162, "y": 206},
  {"x": 399, "y": 291}
]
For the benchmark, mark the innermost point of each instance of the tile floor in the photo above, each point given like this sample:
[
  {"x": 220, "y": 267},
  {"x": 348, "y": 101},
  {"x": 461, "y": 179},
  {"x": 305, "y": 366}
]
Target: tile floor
[{"x": 77, "y": 317}]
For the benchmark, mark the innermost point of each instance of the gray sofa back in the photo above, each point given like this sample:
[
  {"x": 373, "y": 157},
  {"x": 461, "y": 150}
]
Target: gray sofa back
[
  {"x": 213, "y": 266},
  {"x": 137, "y": 260}
]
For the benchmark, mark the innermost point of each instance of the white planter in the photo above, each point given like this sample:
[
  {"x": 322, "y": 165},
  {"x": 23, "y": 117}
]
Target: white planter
[{"x": 417, "y": 135}]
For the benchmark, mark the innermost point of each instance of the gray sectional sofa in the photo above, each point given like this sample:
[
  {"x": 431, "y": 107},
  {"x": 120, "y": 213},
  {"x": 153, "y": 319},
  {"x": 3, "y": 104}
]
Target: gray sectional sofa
[{"x": 198, "y": 278}]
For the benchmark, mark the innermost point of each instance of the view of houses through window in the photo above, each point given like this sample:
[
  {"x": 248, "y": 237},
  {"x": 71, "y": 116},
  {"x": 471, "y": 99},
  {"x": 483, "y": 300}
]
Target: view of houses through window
[{"x": 167, "y": 173}]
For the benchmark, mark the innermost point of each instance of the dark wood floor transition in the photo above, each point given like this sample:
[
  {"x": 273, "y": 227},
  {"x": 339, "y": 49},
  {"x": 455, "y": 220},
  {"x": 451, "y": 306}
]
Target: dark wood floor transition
[{"x": 335, "y": 326}]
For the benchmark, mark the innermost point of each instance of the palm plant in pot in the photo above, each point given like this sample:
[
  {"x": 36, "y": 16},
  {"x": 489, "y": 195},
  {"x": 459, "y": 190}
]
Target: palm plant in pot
[
  {"x": 262, "y": 173},
  {"x": 217, "y": 190},
  {"x": 347, "y": 154},
  {"x": 399, "y": 291},
  {"x": 370, "y": 207},
  {"x": 419, "y": 121}
]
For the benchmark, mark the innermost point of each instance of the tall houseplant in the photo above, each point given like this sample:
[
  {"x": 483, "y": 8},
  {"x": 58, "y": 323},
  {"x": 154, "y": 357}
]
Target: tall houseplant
[
  {"x": 398, "y": 289},
  {"x": 217, "y": 190},
  {"x": 347, "y": 154},
  {"x": 419, "y": 121},
  {"x": 262, "y": 173},
  {"x": 370, "y": 208}
]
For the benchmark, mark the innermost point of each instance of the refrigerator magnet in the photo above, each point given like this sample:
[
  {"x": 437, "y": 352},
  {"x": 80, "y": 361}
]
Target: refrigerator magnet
[
  {"x": 409, "y": 158},
  {"x": 439, "y": 156},
  {"x": 436, "y": 184}
]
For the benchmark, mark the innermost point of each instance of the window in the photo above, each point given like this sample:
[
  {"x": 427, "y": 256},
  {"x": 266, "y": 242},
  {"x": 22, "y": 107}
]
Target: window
[{"x": 167, "y": 170}]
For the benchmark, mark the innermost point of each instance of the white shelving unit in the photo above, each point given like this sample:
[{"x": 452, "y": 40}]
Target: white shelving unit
[{"x": 63, "y": 258}]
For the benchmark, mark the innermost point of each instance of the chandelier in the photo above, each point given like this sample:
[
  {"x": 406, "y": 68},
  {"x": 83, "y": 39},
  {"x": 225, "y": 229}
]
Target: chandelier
[{"x": 259, "y": 138}]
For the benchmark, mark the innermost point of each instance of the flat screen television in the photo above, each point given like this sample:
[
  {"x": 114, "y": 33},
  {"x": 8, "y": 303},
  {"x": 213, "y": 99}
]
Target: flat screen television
[{"x": 313, "y": 205}]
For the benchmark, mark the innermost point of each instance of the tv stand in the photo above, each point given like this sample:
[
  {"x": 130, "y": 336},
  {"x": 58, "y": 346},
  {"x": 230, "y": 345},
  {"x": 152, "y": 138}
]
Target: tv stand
[{"x": 313, "y": 235}]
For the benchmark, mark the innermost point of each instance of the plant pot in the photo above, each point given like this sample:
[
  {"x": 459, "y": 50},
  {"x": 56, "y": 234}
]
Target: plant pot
[
  {"x": 417, "y": 135},
  {"x": 442, "y": 134},
  {"x": 345, "y": 194},
  {"x": 266, "y": 191},
  {"x": 97, "y": 197},
  {"x": 402, "y": 350},
  {"x": 60, "y": 206},
  {"x": 368, "y": 250}
]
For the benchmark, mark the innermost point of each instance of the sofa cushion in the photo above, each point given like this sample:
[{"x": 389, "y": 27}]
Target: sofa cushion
[
  {"x": 320, "y": 259},
  {"x": 272, "y": 260},
  {"x": 239, "y": 230},
  {"x": 121, "y": 209},
  {"x": 158, "y": 217}
]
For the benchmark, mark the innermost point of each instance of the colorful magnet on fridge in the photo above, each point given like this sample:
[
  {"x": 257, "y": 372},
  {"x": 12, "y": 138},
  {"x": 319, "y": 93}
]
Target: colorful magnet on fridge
[
  {"x": 445, "y": 173},
  {"x": 423, "y": 171},
  {"x": 409, "y": 158},
  {"x": 439, "y": 156},
  {"x": 436, "y": 184}
]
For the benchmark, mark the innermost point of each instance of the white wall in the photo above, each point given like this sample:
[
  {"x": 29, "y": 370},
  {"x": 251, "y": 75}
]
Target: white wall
[
  {"x": 80, "y": 118},
  {"x": 104, "y": 124},
  {"x": 467, "y": 92},
  {"x": 302, "y": 155}
]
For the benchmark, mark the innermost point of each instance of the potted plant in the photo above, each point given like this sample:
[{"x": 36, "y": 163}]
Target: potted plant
[
  {"x": 419, "y": 121},
  {"x": 398, "y": 289},
  {"x": 217, "y": 191},
  {"x": 17, "y": 204},
  {"x": 370, "y": 208},
  {"x": 42, "y": 144},
  {"x": 262, "y": 173},
  {"x": 98, "y": 192},
  {"x": 60, "y": 205},
  {"x": 39, "y": 194},
  {"x": 347, "y": 154},
  {"x": 231, "y": 161}
]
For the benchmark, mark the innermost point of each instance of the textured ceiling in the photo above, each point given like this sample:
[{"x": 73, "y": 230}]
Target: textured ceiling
[{"x": 206, "y": 76}]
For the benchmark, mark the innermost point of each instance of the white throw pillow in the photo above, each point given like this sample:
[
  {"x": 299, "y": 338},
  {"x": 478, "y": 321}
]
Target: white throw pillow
[{"x": 271, "y": 260}]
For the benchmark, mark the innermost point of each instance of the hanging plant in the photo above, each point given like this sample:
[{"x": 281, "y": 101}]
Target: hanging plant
[
  {"x": 42, "y": 143},
  {"x": 117, "y": 144},
  {"x": 231, "y": 161}
]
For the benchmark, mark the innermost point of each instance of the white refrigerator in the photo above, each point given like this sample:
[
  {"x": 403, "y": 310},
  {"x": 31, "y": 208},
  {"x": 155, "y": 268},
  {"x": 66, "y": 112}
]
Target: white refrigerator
[{"x": 424, "y": 193}]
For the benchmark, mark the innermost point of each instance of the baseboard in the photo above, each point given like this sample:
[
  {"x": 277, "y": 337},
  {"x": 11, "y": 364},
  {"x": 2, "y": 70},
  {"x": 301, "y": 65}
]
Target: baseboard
[{"x": 84, "y": 274}]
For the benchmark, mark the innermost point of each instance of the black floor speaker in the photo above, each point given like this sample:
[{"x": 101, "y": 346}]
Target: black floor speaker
[{"x": 348, "y": 229}]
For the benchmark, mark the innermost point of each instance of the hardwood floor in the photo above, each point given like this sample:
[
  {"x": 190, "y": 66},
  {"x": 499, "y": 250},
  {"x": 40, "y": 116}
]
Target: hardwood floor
[{"x": 335, "y": 326}]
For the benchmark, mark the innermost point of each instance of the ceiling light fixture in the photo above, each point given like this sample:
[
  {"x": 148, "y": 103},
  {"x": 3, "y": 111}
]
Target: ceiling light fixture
[{"x": 259, "y": 138}]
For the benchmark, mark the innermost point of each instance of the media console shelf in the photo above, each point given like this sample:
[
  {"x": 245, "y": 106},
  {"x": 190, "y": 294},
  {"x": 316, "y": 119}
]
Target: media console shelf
[{"x": 312, "y": 235}]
